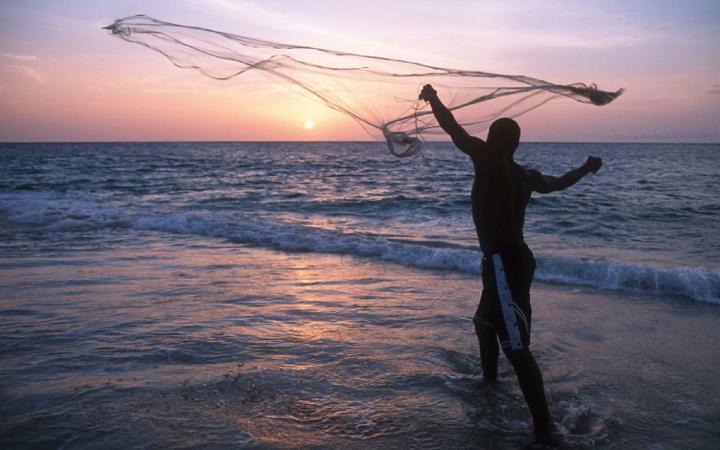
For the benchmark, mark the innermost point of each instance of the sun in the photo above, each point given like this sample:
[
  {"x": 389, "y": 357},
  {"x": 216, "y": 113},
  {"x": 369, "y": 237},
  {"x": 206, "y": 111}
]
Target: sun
[{"x": 309, "y": 124}]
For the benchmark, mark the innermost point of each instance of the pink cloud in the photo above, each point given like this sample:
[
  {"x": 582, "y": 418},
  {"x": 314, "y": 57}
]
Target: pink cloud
[
  {"x": 26, "y": 71},
  {"x": 18, "y": 57}
]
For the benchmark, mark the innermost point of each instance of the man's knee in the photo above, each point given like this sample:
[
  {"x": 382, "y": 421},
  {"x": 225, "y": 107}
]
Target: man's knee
[{"x": 482, "y": 325}]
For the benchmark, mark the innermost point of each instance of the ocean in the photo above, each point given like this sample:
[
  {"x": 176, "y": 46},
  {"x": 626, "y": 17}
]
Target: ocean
[{"x": 320, "y": 295}]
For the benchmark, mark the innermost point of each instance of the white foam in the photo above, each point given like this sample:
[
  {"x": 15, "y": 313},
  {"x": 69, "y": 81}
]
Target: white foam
[
  {"x": 57, "y": 213},
  {"x": 698, "y": 283}
]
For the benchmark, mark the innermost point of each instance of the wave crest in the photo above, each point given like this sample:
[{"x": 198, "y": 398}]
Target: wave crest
[{"x": 57, "y": 213}]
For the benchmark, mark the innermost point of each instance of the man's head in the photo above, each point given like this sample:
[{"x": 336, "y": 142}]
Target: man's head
[{"x": 504, "y": 135}]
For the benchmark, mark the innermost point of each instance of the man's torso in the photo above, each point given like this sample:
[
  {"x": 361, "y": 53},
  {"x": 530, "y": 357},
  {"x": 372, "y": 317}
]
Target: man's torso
[{"x": 500, "y": 195}]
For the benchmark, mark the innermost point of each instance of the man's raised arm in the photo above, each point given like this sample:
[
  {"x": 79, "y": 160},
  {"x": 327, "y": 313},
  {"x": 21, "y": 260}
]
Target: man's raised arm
[
  {"x": 545, "y": 184},
  {"x": 461, "y": 138}
]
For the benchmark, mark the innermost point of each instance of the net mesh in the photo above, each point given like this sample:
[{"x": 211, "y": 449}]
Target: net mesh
[{"x": 379, "y": 93}]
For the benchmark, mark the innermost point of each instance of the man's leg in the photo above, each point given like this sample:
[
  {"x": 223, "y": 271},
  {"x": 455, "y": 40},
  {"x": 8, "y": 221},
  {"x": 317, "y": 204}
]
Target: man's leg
[
  {"x": 489, "y": 350},
  {"x": 531, "y": 384},
  {"x": 514, "y": 284}
]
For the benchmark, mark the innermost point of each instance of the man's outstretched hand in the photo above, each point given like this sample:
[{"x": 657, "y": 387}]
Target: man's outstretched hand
[
  {"x": 427, "y": 93},
  {"x": 593, "y": 164}
]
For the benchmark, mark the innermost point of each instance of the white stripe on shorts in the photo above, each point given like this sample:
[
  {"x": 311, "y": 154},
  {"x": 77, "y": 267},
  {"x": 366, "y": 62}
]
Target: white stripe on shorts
[{"x": 506, "y": 302}]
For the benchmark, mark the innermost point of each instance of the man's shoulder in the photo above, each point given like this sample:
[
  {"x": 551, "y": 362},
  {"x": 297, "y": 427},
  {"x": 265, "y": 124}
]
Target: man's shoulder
[
  {"x": 526, "y": 174},
  {"x": 475, "y": 147},
  {"x": 529, "y": 171}
]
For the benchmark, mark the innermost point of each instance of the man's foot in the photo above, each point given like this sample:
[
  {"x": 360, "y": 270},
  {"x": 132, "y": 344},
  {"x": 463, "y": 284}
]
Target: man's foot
[
  {"x": 544, "y": 441},
  {"x": 487, "y": 385},
  {"x": 490, "y": 380}
]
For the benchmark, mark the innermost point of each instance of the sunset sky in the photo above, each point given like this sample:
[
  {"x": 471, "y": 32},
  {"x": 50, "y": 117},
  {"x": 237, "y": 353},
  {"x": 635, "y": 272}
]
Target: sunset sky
[{"x": 62, "y": 78}]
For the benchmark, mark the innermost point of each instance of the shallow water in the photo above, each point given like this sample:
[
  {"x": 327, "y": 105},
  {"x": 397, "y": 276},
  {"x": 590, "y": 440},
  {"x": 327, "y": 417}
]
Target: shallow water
[{"x": 170, "y": 341}]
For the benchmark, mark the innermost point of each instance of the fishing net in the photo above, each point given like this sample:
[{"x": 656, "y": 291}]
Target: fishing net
[{"x": 379, "y": 93}]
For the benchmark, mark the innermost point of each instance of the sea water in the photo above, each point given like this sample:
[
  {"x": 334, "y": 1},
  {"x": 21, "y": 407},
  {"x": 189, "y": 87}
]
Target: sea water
[
  {"x": 647, "y": 221},
  {"x": 265, "y": 294}
]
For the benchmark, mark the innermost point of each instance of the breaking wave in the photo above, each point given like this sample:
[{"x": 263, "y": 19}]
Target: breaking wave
[{"x": 61, "y": 214}]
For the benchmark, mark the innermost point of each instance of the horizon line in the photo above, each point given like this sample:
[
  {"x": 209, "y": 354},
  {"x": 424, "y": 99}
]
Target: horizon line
[{"x": 163, "y": 141}]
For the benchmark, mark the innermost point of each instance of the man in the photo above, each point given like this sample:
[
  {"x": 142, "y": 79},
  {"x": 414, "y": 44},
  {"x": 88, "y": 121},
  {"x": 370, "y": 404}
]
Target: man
[{"x": 500, "y": 194}]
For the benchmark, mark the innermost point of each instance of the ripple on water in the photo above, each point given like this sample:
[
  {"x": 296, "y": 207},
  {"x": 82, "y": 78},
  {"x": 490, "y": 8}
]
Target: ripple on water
[
  {"x": 364, "y": 418},
  {"x": 504, "y": 414}
]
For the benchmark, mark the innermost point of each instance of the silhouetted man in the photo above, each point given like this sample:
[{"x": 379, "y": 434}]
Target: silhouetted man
[{"x": 500, "y": 194}]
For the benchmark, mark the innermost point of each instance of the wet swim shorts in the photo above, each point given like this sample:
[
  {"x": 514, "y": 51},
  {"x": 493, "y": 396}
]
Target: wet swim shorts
[{"x": 505, "y": 302}]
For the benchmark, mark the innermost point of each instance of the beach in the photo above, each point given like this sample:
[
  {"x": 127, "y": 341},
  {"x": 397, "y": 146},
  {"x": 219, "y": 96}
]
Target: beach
[{"x": 270, "y": 296}]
